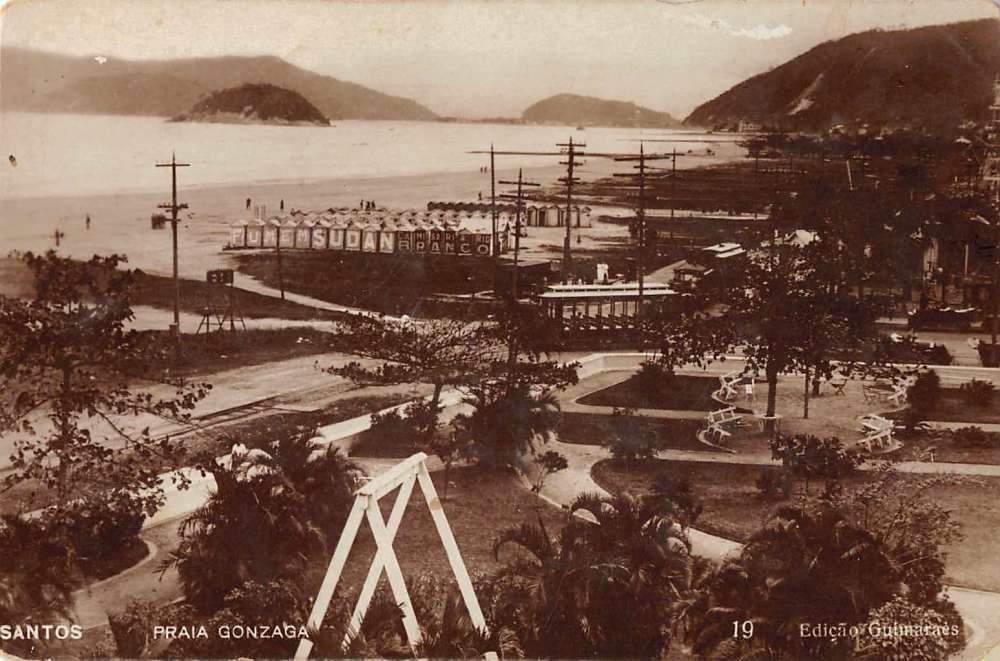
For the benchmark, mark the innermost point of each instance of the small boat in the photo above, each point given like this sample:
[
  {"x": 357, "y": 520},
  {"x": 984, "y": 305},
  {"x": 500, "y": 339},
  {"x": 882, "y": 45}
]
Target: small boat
[{"x": 580, "y": 128}]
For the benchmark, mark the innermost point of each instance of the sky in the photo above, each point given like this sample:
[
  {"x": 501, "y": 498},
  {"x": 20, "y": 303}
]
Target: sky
[{"x": 483, "y": 58}]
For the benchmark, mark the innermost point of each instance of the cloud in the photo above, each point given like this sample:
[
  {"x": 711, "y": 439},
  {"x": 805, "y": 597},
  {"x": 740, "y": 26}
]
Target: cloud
[{"x": 758, "y": 32}]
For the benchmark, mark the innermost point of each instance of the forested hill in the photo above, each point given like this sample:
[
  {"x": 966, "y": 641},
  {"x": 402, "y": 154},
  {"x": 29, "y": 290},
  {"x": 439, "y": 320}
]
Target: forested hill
[
  {"x": 47, "y": 82},
  {"x": 259, "y": 103},
  {"x": 573, "y": 109},
  {"x": 933, "y": 77}
]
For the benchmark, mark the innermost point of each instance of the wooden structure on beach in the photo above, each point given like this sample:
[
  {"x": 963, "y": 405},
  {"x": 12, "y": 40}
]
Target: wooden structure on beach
[
  {"x": 375, "y": 231},
  {"x": 535, "y": 215}
]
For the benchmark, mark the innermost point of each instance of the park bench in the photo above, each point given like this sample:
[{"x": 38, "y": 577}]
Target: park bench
[
  {"x": 881, "y": 440},
  {"x": 722, "y": 416},
  {"x": 716, "y": 433},
  {"x": 875, "y": 423}
]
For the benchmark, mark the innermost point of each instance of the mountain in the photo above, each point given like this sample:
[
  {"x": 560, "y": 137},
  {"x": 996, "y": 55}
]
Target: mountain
[
  {"x": 255, "y": 103},
  {"x": 932, "y": 77},
  {"x": 47, "y": 82},
  {"x": 573, "y": 109}
]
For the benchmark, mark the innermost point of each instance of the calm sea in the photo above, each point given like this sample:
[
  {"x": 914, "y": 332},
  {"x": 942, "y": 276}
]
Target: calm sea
[{"x": 63, "y": 155}]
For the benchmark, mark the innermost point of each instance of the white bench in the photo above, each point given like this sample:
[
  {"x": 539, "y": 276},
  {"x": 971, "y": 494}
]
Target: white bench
[
  {"x": 727, "y": 387},
  {"x": 722, "y": 416},
  {"x": 875, "y": 423},
  {"x": 716, "y": 433},
  {"x": 877, "y": 441}
]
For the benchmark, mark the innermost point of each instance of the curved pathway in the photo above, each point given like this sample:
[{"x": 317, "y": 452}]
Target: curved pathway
[{"x": 980, "y": 609}]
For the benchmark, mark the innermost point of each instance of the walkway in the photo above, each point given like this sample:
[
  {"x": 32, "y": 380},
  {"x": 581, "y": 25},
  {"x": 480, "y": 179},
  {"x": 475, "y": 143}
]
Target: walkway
[{"x": 978, "y": 608}]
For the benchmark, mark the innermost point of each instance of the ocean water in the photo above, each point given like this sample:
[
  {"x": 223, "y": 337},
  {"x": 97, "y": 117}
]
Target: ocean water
[{"x": 75, "y": 155}]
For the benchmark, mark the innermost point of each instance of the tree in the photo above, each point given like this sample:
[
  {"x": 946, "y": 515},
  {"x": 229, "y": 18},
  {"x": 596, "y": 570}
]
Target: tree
[
  {"x": 442, "y": 352},
  {"x": 66, "y": 354},
  {"x": 546, "y": 464},
  {"x": 808, "y": 457},
  {"x": 37, "y": 578},
  {"x": 800, "y": 569},
  {"x": 564, "y": 596},
  {"x": 507, "y": 422},
  {"x": 288, "y": 502},
  {"x": 632, "y": 438}
]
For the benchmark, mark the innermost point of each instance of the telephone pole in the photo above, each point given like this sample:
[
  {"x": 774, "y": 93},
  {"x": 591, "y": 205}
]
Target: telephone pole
[
  {"x": 570, "y": 163},
  {"x": 174, "y": 208},
  {"x": 640, "y": 210},
  {"x": 518, "y": 196}
]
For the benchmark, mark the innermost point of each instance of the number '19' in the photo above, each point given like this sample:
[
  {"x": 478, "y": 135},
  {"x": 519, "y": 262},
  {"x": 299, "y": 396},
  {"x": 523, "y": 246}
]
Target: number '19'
[{"x": 742, "y": 629}]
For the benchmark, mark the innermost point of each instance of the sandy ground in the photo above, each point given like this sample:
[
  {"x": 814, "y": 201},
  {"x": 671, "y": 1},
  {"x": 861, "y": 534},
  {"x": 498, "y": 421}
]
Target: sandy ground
[{"x": 120, "y": 223}]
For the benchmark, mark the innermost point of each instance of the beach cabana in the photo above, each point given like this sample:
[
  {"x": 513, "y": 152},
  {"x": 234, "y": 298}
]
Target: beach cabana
[
  {"x": 338, "y": 232},
  {"x": 238, "y": 234},
  {"x": 287, "y": 232},
  {"x": 387, "y": 238},
  {"x": 369, "y": 238},
  {"x": 321, "y": 234},
  {"x": 303, "y": 232},
  {"x": 352, "y": 235},
  {"x": 255, "y": 233},
  {"x": 271, "y": 230}
]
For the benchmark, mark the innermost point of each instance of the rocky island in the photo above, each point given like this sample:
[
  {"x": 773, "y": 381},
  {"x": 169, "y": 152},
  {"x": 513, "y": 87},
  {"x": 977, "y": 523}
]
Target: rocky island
[{"x": 255, "y": 103}]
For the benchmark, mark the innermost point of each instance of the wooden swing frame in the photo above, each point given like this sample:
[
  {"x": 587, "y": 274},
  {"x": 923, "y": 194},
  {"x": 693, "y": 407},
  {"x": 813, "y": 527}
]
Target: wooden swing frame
[{"x": 402, "y": 476}]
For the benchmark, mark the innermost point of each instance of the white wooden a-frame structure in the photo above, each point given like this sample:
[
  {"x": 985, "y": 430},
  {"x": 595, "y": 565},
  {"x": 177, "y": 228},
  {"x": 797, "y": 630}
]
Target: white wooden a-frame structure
[{"x": 401, "y": 476}]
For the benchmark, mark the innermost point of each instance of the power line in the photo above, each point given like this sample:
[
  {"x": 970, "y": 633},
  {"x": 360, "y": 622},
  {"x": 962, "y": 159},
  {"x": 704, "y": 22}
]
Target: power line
[
  {"x": 174, "y": 207},
  {"x": 518, "y": 196},
  {"x": 570, "y": 163}
]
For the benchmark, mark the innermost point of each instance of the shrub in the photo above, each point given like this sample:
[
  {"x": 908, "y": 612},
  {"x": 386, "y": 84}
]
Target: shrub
[
  {"x": 631, "y": 439},
  {"x": 770, "y": 483},
  {"x": 977, "y": 393},
  {"x": 809, "y": 457},
  {"x": 96, "y": 531},
  {"x": 925, "y": 393},
  {"x": 973, "y": 437},
  {"x": 677, "y": 490},
  {"x": 652, "y": 378},
  {"x": 402, "y": 428}
]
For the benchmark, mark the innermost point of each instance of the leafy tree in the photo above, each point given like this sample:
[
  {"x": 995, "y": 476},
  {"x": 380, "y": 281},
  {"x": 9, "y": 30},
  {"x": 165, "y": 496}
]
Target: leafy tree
[
  {"x": 808, "y": 457},
  {"x": 442, "y": 352},
  {"x": 449, "y": 448},
  {"x": 67, "y": 355},
  {"x": 632, "y": 439}
]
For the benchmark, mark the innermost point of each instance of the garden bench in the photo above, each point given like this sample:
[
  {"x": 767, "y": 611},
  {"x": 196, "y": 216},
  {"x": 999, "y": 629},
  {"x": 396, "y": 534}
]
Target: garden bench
[
  {"x": 727, "y": 388},
  {"x": 877, "y": 441},
  {"x": 716, "y": 433},
  {"x": 875, "y": 423},
  {"x": 722, "y": 416}
]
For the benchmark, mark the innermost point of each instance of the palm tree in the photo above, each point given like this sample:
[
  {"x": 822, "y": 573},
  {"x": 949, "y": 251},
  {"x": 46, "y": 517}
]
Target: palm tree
[
  {"x": 507, "y": 421},
  {"x": 251, "y": 528},
  {"x": 801, "y": 568}
]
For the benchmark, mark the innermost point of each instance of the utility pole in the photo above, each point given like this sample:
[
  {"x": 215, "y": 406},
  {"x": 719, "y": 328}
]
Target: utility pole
[
  {"x": 569, "y": 180},
  {"x": 494, "y": 248},
  {"x": 518, "y": 196},
  {"x": 991, "y": 181},
  {"x": 640, "y": 211},
  {"x": 174, "y": 208}
]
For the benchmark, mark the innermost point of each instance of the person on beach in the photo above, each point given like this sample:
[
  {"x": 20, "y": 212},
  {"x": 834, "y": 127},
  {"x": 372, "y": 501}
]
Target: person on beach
[
  {"x": 248, "y": 203},
  {"x": 87, "y": 221},
  {"x": 282, "y": 207}
]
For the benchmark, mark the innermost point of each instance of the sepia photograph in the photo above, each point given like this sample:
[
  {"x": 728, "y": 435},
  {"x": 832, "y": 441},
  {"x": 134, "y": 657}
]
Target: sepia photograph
[{"x": 485, "y": 329}]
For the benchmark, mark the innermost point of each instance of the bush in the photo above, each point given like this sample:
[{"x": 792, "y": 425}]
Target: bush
[
  {"x": 977, "y": 393},
  {"x": 630, "y": 438},
  {"x": 652, "y": 378},
  {"x": 402, "y": 429},
  {"x": 770, "y": 483},
  {"x": 973, "y": 437},
  {"x": 925, "y": 393},
  {"x": 95, "y": 532},
  {"x": 809, "y": 457},
  {"x": 677, "y": 490}
]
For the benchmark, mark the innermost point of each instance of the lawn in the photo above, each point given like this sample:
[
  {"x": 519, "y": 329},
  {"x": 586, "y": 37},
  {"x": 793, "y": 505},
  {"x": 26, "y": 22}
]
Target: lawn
[
  {"x": 946, "y": 449},
  {"x": 480, "y": 504},
  {"x": 953, "y": 408},
  {"x": 734, "y": 509},
  {"x": 158, "y": 291},
  {"x": 213, "y": 352},
  {"x": 593, "y": 429},
  {"x": 682, "y": 393}
]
